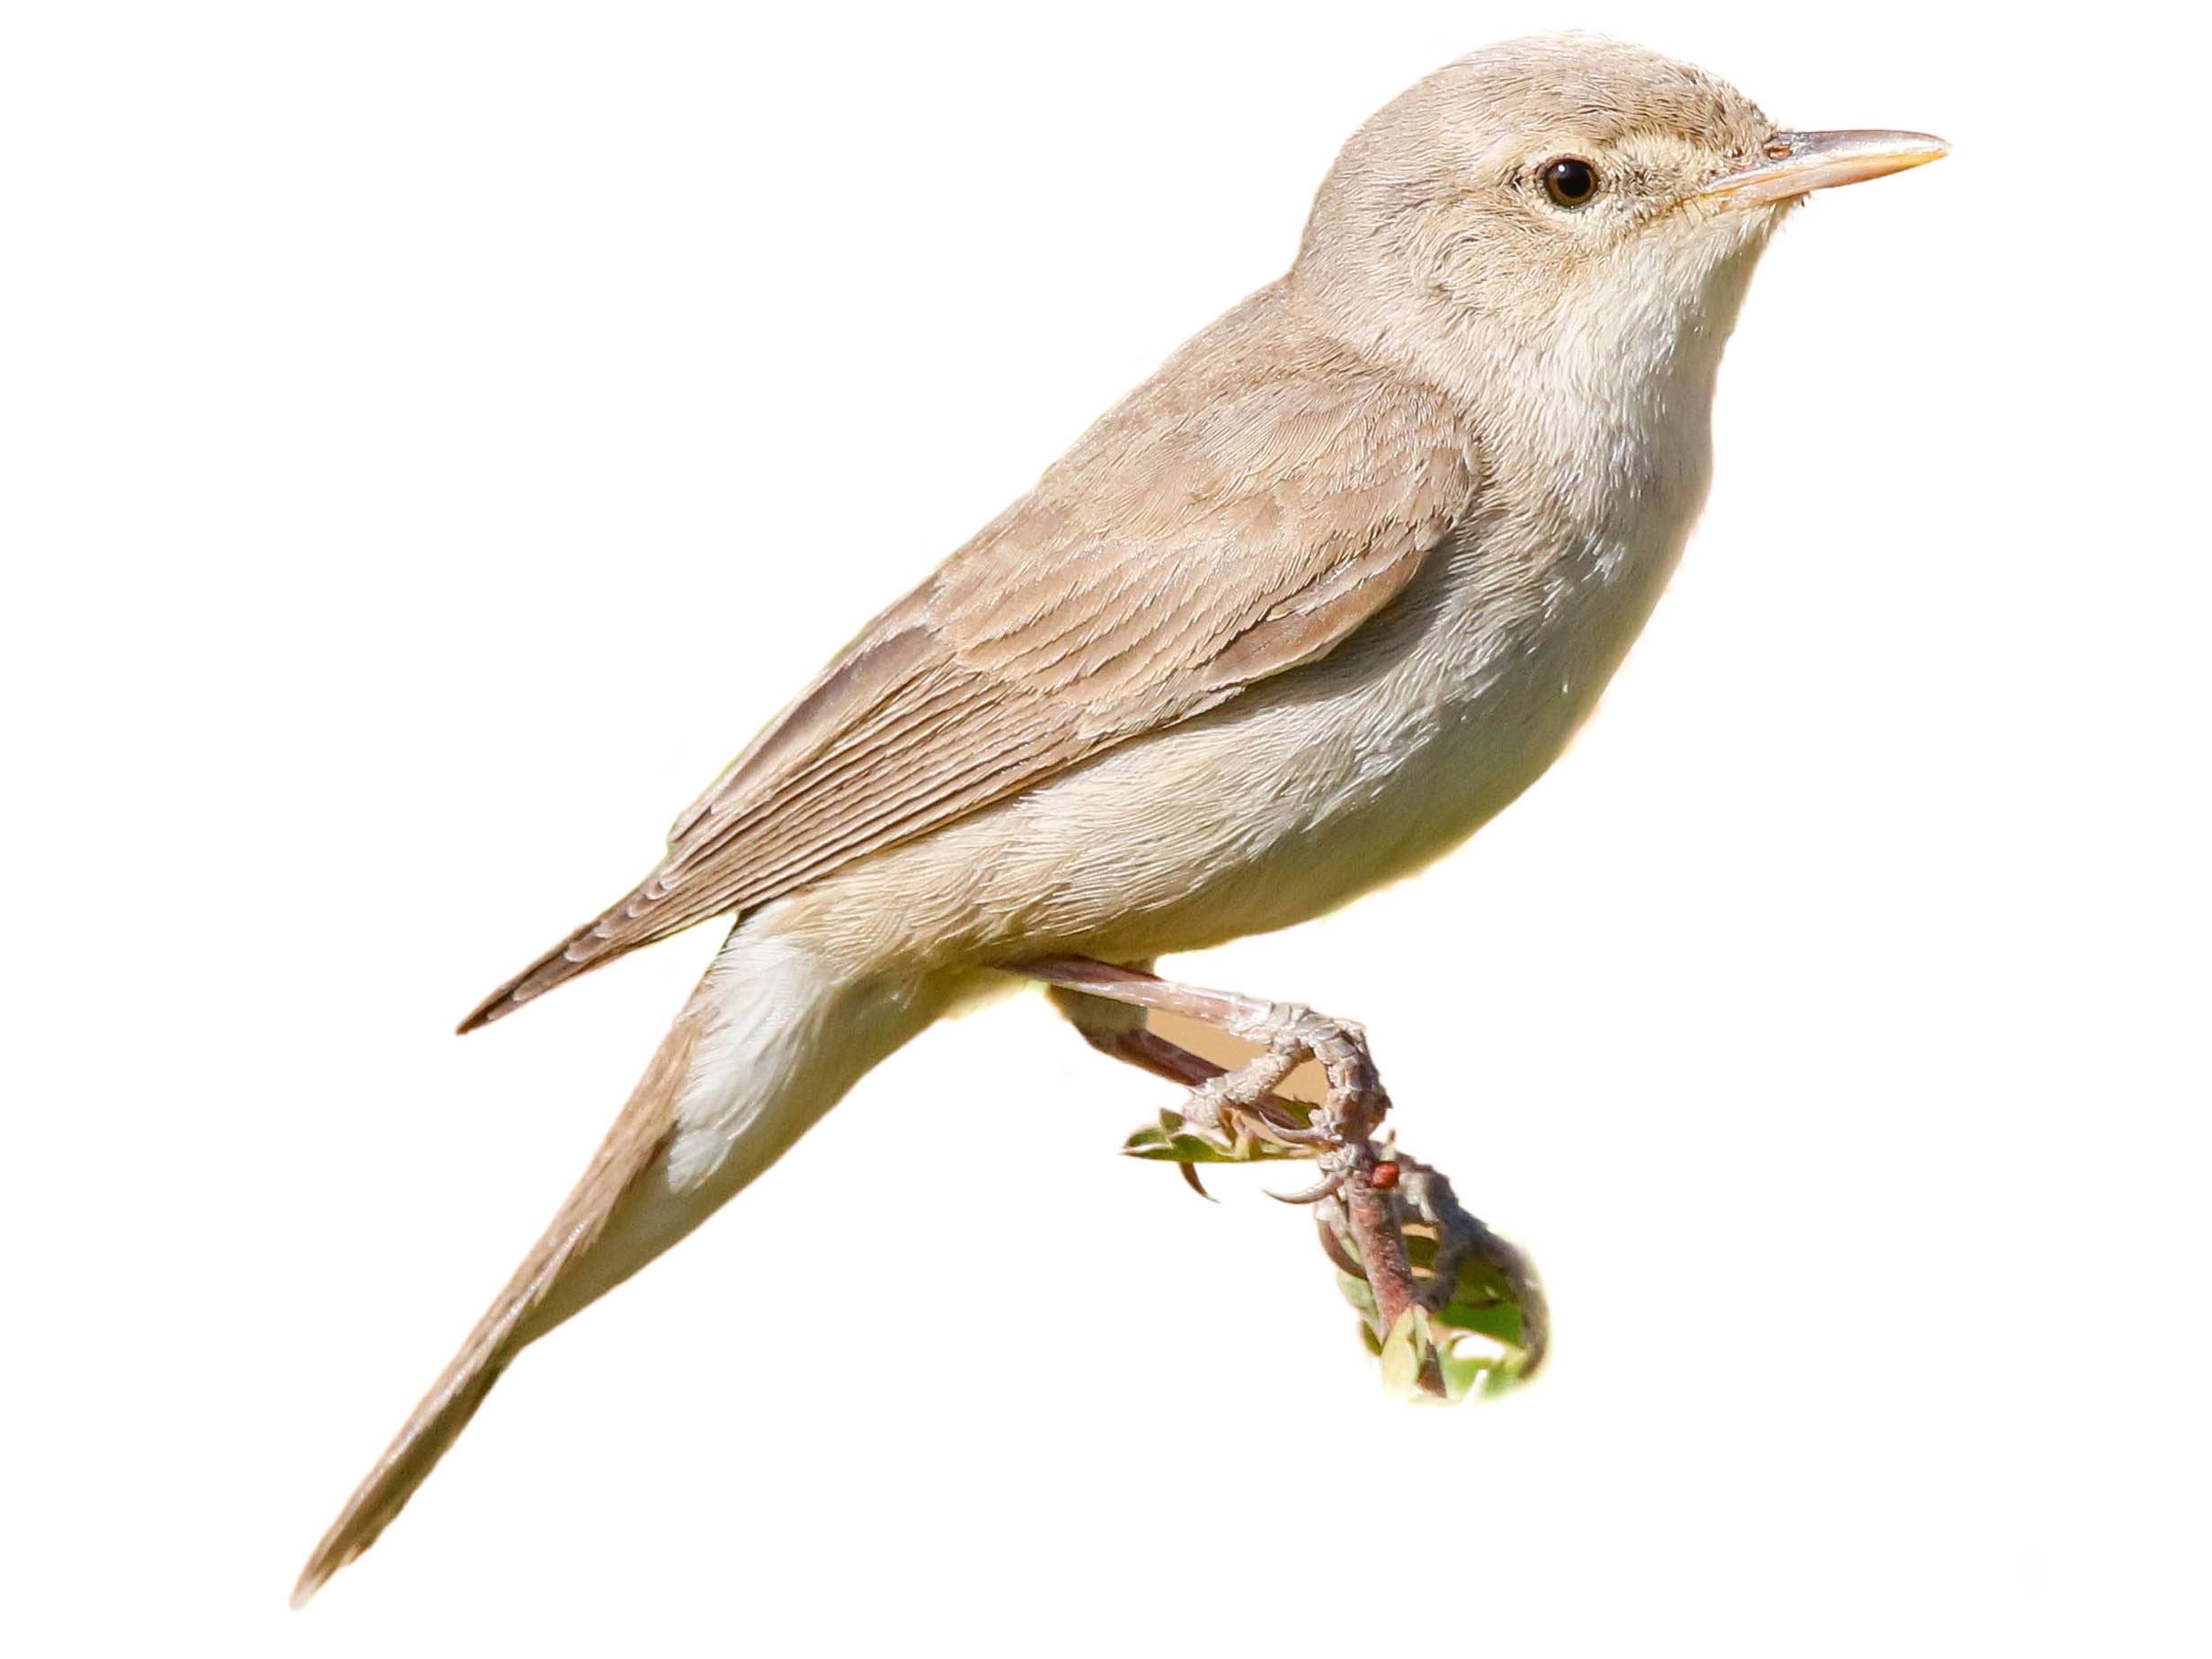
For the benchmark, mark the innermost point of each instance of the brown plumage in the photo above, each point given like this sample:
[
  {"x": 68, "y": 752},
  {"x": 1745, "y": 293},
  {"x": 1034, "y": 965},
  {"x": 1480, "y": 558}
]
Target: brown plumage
[
  {"x": 638, "y": 1136},
  {"x": 1300, "y": 614},
  {"x": 1235, "y": 517}
]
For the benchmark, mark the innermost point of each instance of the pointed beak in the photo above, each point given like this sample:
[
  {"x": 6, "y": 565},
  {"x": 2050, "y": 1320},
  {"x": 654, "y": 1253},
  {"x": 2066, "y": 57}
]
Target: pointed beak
[{"x": 1800, "y": 162}]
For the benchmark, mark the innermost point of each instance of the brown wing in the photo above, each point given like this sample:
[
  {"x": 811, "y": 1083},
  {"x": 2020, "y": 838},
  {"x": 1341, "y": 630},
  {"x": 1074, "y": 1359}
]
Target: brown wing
[{"x": 1239, "y": 515}]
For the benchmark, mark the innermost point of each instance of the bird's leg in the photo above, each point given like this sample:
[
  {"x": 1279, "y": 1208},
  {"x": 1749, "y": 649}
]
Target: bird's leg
[
  {"x": 1223, "y": 1102},
  {"x": 1117, "y": 1029},
  {"x": 1288, "y": 1034}
]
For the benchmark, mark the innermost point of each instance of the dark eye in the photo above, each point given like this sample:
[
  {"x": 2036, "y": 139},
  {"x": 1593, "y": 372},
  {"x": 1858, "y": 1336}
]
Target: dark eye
[{"x": 1570, "y": 180}]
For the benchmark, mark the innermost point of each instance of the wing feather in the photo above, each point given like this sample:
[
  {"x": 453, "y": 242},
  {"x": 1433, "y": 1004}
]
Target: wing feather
[{"x": 1239, "y": 515}]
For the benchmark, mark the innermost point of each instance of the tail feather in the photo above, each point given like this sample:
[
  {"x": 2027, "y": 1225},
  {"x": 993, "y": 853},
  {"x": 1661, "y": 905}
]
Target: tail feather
[
  {"x": 631, "y": 1148},
  {"x": 583, "y": 950},
  {"x": 772, "y": 1038}
]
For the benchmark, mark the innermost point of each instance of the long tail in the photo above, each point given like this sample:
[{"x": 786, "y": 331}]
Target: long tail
[{"x": 768, "y": 1043}]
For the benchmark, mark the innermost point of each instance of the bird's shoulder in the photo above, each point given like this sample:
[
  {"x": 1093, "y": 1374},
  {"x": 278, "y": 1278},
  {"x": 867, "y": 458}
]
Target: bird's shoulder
[{"x": 1266, "y": 464}]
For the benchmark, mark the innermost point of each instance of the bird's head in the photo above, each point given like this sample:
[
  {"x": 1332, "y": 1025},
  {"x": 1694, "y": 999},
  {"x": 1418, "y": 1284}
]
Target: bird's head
[{"x": 1564, "y": 195}]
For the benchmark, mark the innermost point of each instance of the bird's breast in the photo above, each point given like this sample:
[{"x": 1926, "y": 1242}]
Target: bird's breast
[{"x": 1536, "y": 610}]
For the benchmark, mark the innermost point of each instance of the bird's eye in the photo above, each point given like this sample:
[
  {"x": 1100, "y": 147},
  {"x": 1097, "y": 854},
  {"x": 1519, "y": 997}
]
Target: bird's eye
[{"x": 1570, "y": 180}]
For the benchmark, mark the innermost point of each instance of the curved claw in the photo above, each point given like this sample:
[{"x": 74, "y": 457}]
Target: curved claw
[
  {"x": 1190, "y": 1179},
  {"x": 1324, "y": 1188},
  {"x": 1287, "y": 1128}
]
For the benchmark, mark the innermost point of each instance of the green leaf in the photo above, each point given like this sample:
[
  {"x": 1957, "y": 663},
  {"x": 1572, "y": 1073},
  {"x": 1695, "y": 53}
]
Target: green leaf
[
  {"x": 1462, "y": 1371},
  {"x": 1167, "y": 1144},
  {"x": 1500, "y": 1320},
  {"x": 1404, "y": 1350},
  {"x": 1359, "y": 1293}
]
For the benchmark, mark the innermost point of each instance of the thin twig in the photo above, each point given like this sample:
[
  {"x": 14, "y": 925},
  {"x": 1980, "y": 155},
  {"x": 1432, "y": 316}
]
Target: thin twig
[{"x": 1382, "y": 1245}]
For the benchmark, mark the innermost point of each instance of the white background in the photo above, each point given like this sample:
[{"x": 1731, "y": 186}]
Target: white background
[{"x": 433, "y": 438}]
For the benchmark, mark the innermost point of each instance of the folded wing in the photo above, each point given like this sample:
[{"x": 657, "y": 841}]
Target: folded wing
[{"x": 1240, "y": 515}]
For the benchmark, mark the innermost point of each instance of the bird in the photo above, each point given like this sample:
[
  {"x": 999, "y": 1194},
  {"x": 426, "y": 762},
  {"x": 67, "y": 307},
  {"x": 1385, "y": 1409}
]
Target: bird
[{"x": 1295, "y": 617}]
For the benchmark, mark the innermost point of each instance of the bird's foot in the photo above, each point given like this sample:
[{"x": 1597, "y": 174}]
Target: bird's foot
[
  {"x": 1371, "y": 1203},
  {"x": 1239, "y": 1109},
  {"x": 1235, "y": 1109}
]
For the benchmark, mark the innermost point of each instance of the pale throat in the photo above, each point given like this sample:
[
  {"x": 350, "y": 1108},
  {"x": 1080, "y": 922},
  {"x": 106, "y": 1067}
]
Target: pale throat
[{"x": 1610, "y": 412}]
